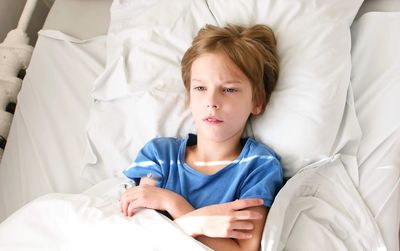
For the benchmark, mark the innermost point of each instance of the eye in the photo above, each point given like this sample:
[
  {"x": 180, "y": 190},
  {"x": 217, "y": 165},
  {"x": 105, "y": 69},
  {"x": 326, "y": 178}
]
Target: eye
[
  {"x": 199, "y": 88},
  {"x": 230, "y": 90}
]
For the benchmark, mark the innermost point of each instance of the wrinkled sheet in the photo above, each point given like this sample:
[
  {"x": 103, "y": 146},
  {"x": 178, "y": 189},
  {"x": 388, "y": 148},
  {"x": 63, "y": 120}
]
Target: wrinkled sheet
[
  {"x": 321, "y": 208},
  {"x": 376, "y": 78},
  {"x": 90, "y": 222}
]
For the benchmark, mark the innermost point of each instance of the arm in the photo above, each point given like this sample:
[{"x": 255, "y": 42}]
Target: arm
[
  {"x": 236, "y": 220},
  {"x": 213, "y": 225},
  {"x": 250, "y": 244},
  {"x": 147, "y": 195}
]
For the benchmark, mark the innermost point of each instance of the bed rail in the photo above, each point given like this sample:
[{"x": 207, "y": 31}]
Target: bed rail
[{"x": 15, "y": 54}]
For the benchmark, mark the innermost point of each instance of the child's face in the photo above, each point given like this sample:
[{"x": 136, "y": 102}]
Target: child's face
[{"x": 220, "y": 97}]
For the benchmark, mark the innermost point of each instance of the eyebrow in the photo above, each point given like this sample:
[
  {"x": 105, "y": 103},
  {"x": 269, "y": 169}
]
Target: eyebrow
[
  {"x": 224, "y": 82},
  {"x": 195, "y": 79},
  {"x": 232, "y": 82}
]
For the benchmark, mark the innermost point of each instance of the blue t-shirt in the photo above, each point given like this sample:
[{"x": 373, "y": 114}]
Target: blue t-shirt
[{"x": 256, "y": 172}]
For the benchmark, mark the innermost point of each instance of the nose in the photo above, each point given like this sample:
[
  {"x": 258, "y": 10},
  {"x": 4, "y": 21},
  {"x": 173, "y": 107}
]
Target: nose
[
  {"x": 213, "y": 101},
  {"x": 213, "y": 107}
]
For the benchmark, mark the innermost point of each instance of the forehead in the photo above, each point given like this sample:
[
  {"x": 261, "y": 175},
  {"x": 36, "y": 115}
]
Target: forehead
[{"x": 216, "y": 64}]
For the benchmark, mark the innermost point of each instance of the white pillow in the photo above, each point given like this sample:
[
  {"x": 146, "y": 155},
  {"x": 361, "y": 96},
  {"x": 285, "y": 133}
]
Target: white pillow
[
  {"x": 304, "y": 114},
  {"x": 148, "y": 38}
]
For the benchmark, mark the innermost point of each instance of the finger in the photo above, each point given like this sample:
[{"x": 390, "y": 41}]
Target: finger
[
  {"x": 120, "y": 204},
  {"x": 242, "y": 225},
  {"x": 247, "y": 215},
  {"x": 134, "y": 205},
  {"x": 125, "y": 204},
  {"x": 246, "y": 203},
  {"x": 240, "y": 235},
  {"x": 126, "y": 199},
  {"x": 123, "y": 201},
  {"x": 131, "y": 209}
]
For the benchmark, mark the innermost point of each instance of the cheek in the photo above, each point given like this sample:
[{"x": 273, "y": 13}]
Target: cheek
[
  {"x": 244, "y": 110},
  {"x": 194, "y": 105}
]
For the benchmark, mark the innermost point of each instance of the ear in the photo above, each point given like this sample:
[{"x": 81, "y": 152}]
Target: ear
[{"x": 256, "y": 109}]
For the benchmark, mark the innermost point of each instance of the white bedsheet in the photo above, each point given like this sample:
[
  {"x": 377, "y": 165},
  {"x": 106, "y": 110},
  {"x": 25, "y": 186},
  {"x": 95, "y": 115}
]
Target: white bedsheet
[
  {"x": 46, "y": 143},
  {"x": 376, "y": 78},
  {"x": 321, "y": 207}
]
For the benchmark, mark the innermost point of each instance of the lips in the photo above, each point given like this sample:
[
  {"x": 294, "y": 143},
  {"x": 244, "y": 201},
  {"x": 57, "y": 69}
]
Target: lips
[{"x": 212, "y": 120}]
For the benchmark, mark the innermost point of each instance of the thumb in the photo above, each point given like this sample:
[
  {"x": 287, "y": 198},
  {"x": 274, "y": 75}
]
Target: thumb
[{"x": 246, "y": 203}]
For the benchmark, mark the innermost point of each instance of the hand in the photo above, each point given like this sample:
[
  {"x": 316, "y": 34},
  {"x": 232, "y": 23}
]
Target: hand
[
  {"x": 228, "y": 220},
  {"x": 146, "y": 197}
]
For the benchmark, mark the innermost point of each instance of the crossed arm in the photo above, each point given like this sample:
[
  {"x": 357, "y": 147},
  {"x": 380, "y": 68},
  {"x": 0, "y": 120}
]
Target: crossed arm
[{"x": 236, "y": 225}]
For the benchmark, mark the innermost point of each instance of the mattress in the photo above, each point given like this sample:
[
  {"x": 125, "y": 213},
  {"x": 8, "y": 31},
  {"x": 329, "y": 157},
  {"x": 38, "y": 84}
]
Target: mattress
[
  {"x": 378, "y": 6},
  {"x": 34, "y": 139},
  {"x": 90, "y": 18}
]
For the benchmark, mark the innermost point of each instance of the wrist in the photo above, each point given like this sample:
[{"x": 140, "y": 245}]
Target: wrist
[
  {"x": 177, "y": 206},
  {"x": 187, "y": 226}
]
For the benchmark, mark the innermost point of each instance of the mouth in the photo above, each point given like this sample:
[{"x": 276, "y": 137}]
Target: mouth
[{"x": 212, "y": 120}]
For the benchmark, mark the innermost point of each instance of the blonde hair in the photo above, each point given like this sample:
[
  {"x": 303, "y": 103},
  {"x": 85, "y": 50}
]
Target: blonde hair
[{"x": 252, "y": 49}]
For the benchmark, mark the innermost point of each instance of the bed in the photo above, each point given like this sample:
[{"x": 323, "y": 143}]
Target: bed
[{"x": 79, "y": 122}]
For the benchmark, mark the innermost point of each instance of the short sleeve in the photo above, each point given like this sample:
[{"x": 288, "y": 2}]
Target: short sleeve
[
  {"x": 264, "y": 181},
  {"x": 146, "y": 162}
]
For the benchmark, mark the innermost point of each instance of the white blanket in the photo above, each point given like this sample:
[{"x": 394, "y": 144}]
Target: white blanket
[
  {"x": 318, "y": 207},
  {"x": 90, "y": 222}
]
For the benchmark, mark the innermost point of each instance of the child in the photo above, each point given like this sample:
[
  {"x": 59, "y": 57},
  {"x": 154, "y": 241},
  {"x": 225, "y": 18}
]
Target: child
[{"x": 216, "y": 185}]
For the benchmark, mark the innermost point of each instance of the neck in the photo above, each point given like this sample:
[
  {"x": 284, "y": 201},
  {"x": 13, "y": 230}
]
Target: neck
[
  {"x": 209, "y": 156},
  {"x": 208, "y": 150},
  {"x": 211, "y": 151}
]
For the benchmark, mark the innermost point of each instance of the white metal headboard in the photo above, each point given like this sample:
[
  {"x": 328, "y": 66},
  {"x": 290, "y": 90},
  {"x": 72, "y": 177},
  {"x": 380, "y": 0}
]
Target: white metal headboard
[{"x": 15, "y": 54}]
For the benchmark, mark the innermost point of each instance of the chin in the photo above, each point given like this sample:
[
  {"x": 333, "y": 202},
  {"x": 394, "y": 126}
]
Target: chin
[{"x": 222, "y": 136}]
